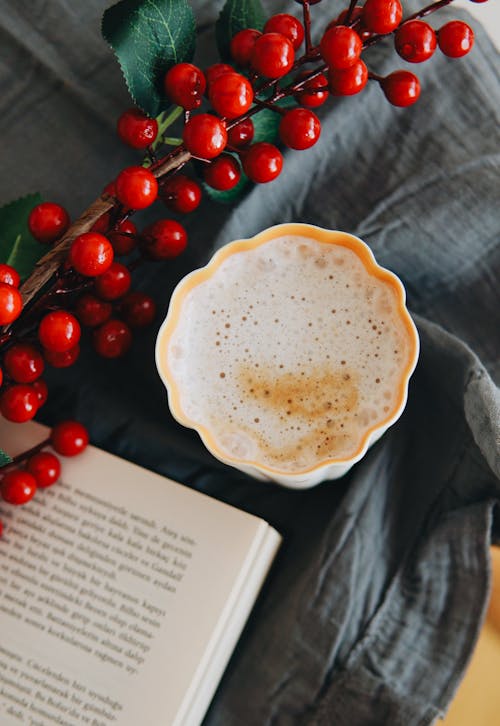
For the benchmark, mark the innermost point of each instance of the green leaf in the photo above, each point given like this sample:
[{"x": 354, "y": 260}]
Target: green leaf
[
  {"x": 17, "y": 247},
  {"x": 237, "y": 15},
  {"x": 149, "y": 37},
  {"x": 4, "y": 458}
]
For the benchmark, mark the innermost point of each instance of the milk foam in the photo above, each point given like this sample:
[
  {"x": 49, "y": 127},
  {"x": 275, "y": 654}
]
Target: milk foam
[{"x": 289, "y": 353}]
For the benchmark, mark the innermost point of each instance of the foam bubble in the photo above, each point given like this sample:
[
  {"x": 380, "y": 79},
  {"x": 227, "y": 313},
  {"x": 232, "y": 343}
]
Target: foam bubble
[{"x": 290, "y": 351}]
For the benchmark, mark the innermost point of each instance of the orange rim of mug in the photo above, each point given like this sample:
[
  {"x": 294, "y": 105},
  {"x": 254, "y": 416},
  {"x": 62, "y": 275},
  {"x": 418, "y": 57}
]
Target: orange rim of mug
[{"x": 324, "y": 236}]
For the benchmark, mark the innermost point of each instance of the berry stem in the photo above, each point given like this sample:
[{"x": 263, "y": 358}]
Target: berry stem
[
  {"x": 419, "y": 14},
  {"x": 306, "y": 8},
  {"x": 24, "y": 455},
  {"x": 350, "y": 11},
  {"x": 270, "y": 105}
]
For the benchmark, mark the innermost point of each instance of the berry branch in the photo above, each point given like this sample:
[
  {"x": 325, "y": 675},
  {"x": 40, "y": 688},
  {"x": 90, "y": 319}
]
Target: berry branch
[{"x": 79, "y": 281}]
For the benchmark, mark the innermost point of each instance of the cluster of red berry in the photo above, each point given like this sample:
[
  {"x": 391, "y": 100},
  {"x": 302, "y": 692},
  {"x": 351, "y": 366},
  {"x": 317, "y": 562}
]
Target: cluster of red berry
[{"x": 96, "y": 287}]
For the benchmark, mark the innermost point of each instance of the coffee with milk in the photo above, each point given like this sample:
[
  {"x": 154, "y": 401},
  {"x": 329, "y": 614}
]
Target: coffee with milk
[{"x": 290, "y": 352}]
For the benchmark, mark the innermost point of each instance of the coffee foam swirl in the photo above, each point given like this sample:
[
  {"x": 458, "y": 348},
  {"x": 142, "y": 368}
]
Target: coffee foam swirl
[{"x": 289, "y": 353}]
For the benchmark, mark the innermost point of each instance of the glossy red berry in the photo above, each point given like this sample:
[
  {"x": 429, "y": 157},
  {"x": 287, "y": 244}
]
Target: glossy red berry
[
  {"x": 18, "y": 403},
  {"x": 181, "y": 194},
  {"x": 401, "y": 88},
  {"x": 241, "y": 134},
  {"x": 48, "y": 221},
  {"x": 112, "y": 339},
  {"x": 308, "y": 96},
  {"x": 102, "y": 224},
  {"x": 23, "y": 362},
  {"x": 45, "y": 467},
  {"x": 415, "y": 41},
  {"x": 231, "y": 95},
  {"x": 223, "y": 173},
  {"x": 185, "y": 85},
  {"x": 91, "y": 254},
  {"x": 355, "y": 15},
  {"x": 340, "y": 47},
  {"x": 91, "y": 311},
  {"x": 114, "y": 283},
  {"x": 123, "y": 239},
  {"x": 242, "y": 45},
  {"x": 9, "y": 276},
  {"x": 64, "y": 359},
  {"x": 18, "y": 487},
  {"x": 455, "y": 39},
  {"x": 164, "y": 239},
  {"x": 205, "y": 136},
  {"x": 41, "y": 390},
  {"x": 59, "y": 331},
  {"x": 382, "y": 16},
  {"x": 69, "y": 438},
  {"x": 11, "y": 303},
  {"x": 299, "y": 128},
  {"x": 136, "y": 129},
  {"x": 215, "y": 71},
  {"x": 138, "y": 309},
  {"x": 136, "y": 187},
  {"x": 272, "y": 55},
  {"x": 262, "y": 162},
  {"x": 110, "y": 189},
  {"x": 348, "y": 81},
  {"x": 288, "y": 26}
]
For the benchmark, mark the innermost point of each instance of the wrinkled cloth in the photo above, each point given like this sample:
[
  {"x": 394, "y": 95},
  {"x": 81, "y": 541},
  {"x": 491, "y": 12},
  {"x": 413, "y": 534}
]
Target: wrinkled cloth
[{"x": 374, "y": 605}]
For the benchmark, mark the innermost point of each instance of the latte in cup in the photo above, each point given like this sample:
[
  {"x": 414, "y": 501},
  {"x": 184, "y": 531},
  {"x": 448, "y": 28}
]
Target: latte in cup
[{"x": 290, "y": 353}]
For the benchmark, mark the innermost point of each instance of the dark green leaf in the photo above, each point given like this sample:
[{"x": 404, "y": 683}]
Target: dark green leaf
[
  {"x": 237, "y": 15},
  {"x": 4, "y": 458},
  {"x": 17, "y": 246},
  {"x": 149, "y": 37}
]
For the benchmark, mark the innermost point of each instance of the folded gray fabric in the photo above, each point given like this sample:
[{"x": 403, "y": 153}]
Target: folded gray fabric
[{"x": 375, "y": 602}]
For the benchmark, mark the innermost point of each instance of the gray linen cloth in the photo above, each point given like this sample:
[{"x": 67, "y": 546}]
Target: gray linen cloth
[{"x": 373, "y": 608}]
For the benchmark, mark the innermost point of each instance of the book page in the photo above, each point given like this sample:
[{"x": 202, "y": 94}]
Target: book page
[{"x": 115, "y": 585}]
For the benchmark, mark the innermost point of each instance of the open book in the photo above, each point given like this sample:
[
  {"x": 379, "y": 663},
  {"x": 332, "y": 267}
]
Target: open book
[{"x": 122, "y": 594}]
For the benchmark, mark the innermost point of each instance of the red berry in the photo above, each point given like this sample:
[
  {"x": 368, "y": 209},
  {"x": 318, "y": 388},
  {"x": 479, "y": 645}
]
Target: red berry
[
  {"x": 91, "y": 254},
  {"x": 223, "y": 173},
  {"x": 205, "y": 136},
  {"x": 355, "y": 15},
  {"x": 241, "y": 134},
  {"x": 242, "y": 45},
  {"x": 165, "y": 239},
  {"x": 138, "y": 309},
  {"x": 215, "y": 71},
  {"x": 91, "y": 311},
  {"x": 185, "y": 85},
  {"x": 59, "y": 331},
  {"x": 69, "y": 438},
  {"x": 23, "y": 363},
  {"x": 9, "y": 275},
  {"x": 19, "y": 403},
  {"x": 136, "y": 187},
  {"x": 114, "y": 283},
  {"x": 299, "y": 128},
  {"x": 231, "y": 95},
  {"x": 415, "y": 41},
  {"x": 102, "y": 225},
  {"x": 455, "y": 39},
  {"x": 18, "y": 487},
  {"x": 45, "y": 467},
  {"x": 306, "y": 94},
  {"x": 41, "y": 390},
  {"x": 48, "y": 221},
  {"x": 136, "y": 129},
  {"x": 1, "y": 377},
  {"x": 382, "y": 16},
  {"x": 348, "y": 81},
  {"x": 11, "y": 303},
  {"x": 340, "y": 47},
  {"x": 401, "y": 88},
  {"x": 272, "y": 55},
  {"x": 123, "y": 238},
  {"x": 288, "y": 26},
  {"x": 64, "y": 359},
  {"x": 181, "y": 194},
  {"x": 262, "y": 162},
  {"x": 112, "y": 339},
  {"x": 1, "y": 528},
  {"x": 110, "y": 189}
]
